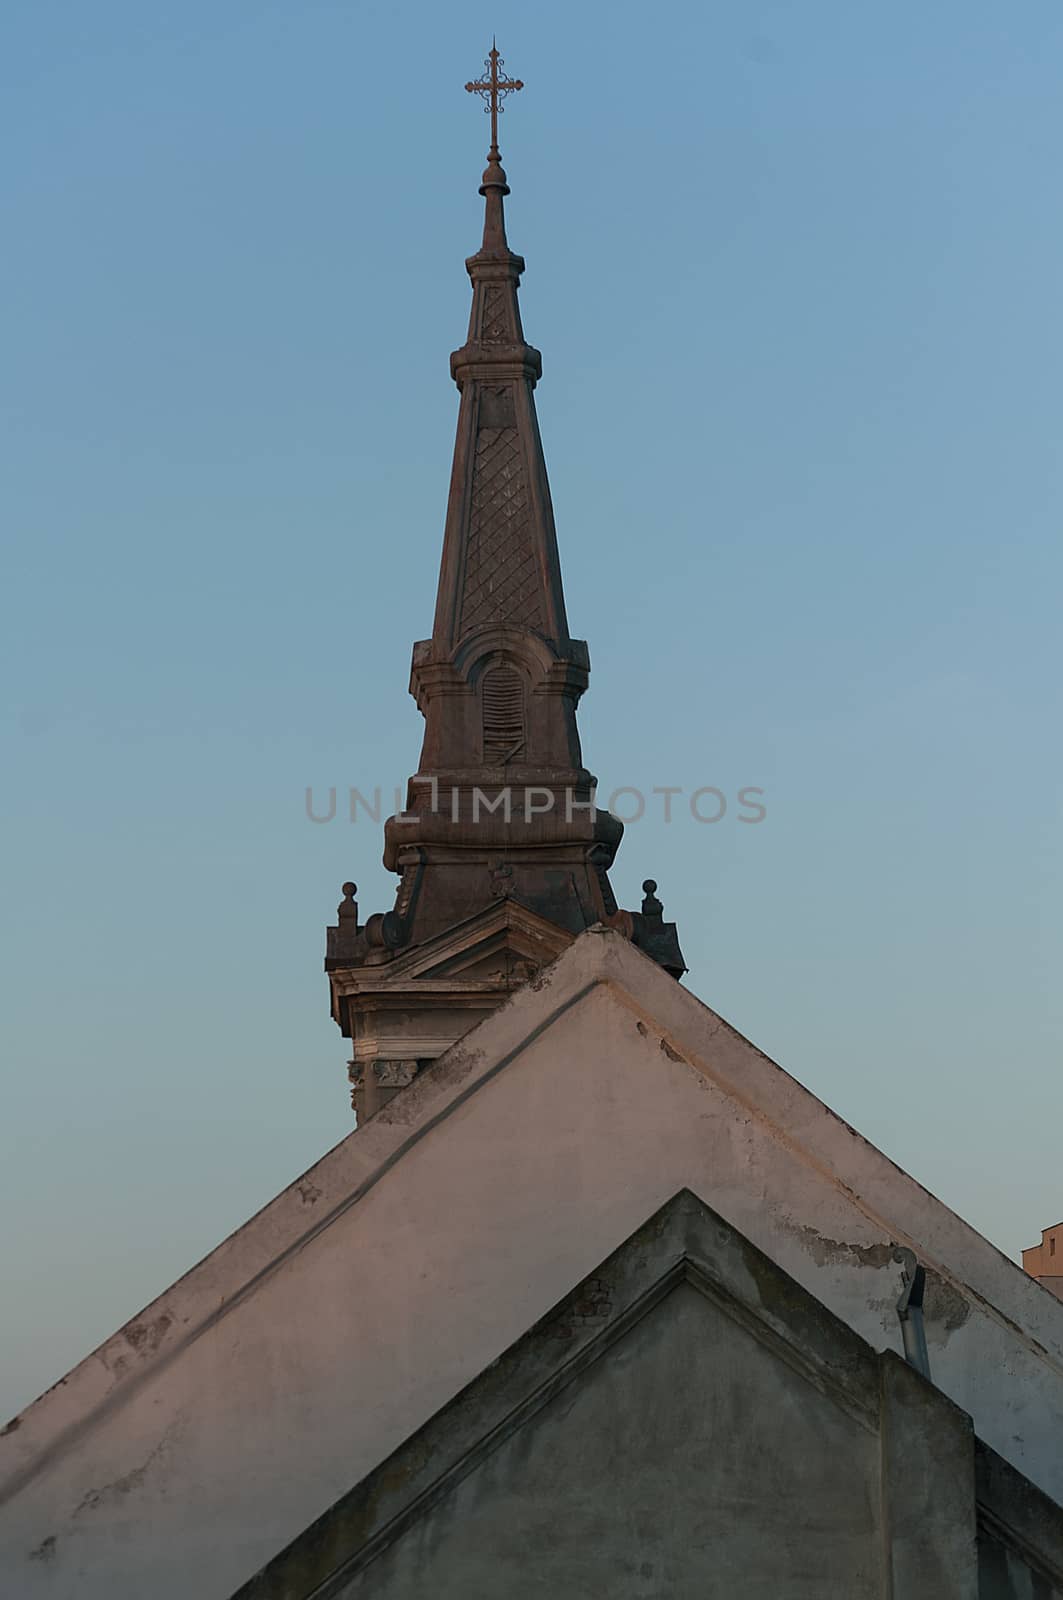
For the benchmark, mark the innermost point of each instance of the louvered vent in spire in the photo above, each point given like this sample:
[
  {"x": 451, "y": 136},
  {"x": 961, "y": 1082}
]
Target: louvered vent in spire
[{"x": 503, "y": 713}]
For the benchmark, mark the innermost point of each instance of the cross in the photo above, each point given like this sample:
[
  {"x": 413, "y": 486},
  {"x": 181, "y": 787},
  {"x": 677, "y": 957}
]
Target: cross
[{"x": 494, "y": 90}]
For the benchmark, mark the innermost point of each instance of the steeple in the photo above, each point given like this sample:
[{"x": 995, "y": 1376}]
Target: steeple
[{"x": 502, "y": 855}]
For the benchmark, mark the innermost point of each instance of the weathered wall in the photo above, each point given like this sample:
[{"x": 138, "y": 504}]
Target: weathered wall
[
  {"x": 689, "y": 1461},
  {"x": 296, "y": 1357},
  {"x": 1020, "y": 1535},
  {"x": 688, "y": 1421},
  {"x": 1004, "y": 1574}
]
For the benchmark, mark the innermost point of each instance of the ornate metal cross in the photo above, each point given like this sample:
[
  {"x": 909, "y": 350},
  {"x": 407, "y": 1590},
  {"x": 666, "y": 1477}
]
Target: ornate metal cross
[{"x": 494, "y": 90}]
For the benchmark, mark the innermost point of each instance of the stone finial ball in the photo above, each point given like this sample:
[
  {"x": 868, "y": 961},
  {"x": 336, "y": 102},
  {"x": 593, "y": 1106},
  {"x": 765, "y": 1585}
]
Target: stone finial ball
[
  {"x": 350, "y": 890},
  {"x": 649, "y": 887}
]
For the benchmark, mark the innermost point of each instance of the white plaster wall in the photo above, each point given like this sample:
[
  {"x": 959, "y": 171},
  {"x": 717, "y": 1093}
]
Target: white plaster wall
[{"x": 210, "y": 1431}]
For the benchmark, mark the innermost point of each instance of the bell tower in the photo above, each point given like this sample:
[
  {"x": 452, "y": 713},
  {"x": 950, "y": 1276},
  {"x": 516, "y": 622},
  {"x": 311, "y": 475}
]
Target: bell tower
[{"x": 502, "y": 855}]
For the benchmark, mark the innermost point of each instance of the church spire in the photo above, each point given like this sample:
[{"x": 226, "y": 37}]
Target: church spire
[{"x": 502, "y": 855}]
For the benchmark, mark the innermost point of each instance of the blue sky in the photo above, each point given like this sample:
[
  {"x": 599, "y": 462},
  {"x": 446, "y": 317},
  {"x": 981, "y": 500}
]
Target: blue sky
[{"x": 795, "y": 272}]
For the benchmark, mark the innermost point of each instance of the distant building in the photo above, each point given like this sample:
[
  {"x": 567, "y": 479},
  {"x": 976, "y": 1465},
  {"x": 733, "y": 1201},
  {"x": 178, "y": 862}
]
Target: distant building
[{"x": 1044, "y": 1261}]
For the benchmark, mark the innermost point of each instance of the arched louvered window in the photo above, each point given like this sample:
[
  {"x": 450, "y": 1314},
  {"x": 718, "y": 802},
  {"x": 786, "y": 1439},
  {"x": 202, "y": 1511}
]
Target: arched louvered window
[{"x": 503, "y": 709}]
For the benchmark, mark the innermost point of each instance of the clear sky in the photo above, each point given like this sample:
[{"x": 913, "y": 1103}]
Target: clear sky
[{"x": 795, "y": 271}]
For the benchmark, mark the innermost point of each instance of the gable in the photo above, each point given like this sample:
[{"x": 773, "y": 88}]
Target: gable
[
  {"x": 467, "y": 948},
  {"x": 687, "y": 1458},
  {"x": 412, "y": 1255},
  {"x": 688, "y": 1421}
]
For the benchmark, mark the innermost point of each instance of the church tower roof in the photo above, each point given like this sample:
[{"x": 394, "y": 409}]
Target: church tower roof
[{"x": 502, "y": 855}]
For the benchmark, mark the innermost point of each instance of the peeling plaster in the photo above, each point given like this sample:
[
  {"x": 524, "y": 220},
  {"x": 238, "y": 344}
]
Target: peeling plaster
[
  {"x": 824, "y": 1250},
  {"x": 147, "y": 1336},
  {"x": 944, "y": 1309}
]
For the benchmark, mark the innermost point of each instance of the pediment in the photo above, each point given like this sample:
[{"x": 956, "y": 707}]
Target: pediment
[
  {"x": 688, "y": 1420},
  {"x": 505, "y": 940}
]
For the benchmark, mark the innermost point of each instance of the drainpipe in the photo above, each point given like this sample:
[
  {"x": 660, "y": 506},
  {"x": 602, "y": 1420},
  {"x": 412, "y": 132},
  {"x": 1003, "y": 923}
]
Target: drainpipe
[{"x": 910, "y": 1311}]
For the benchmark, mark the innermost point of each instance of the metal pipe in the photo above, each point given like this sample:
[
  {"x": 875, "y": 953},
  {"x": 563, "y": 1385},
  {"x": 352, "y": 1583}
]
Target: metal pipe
[{"x": 910, "y": 1312}]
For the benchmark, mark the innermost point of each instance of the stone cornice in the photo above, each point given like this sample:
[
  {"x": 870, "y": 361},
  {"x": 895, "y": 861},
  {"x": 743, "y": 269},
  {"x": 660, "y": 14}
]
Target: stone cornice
[{"x": 494, "y": 363}]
